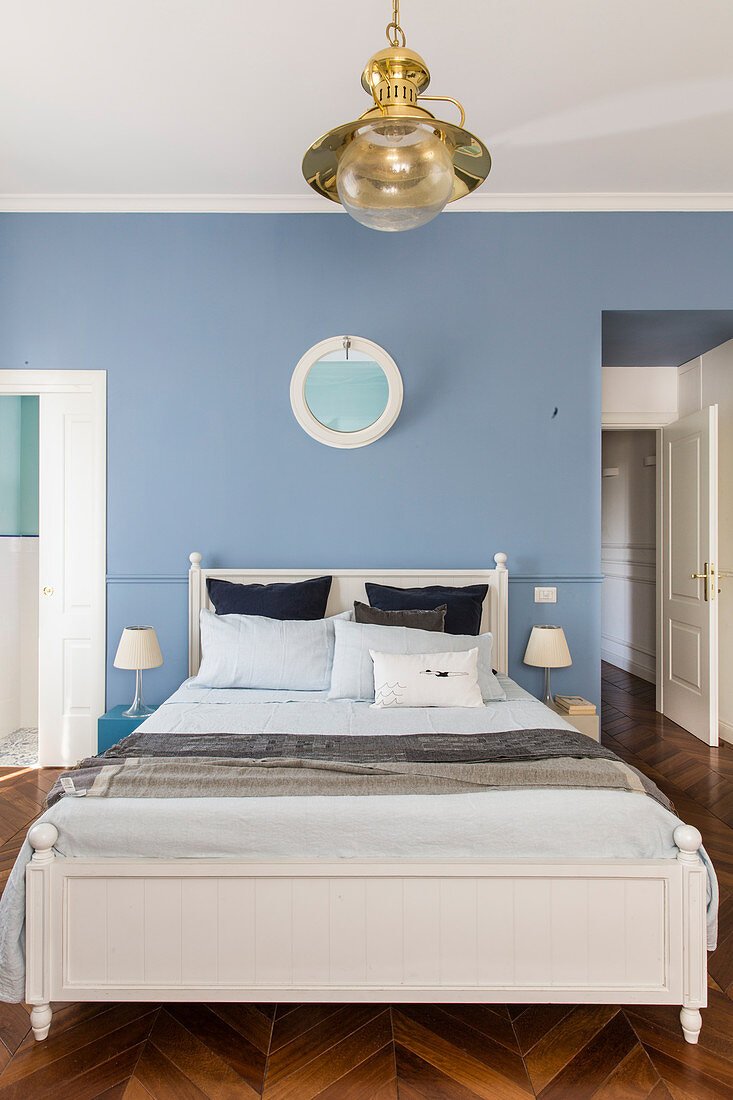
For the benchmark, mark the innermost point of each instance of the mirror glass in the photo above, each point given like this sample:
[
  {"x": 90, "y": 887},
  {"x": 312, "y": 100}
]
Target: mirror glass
[{"x": 346, "y": 395}]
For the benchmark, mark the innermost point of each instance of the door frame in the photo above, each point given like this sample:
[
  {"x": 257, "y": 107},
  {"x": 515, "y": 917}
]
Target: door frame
[
  {"x": 637, "y": 422},
  {"x": 94, "y": 382}
]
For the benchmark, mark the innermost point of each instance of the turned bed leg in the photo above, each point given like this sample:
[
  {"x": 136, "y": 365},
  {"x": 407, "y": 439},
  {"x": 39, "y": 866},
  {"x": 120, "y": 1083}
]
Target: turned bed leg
[
  {"x": 38, "y": 926},
  {"x": 691, "y": 1020},
  {"x": 41, "y": 1021},
  {"x": 694, "y": 945}
]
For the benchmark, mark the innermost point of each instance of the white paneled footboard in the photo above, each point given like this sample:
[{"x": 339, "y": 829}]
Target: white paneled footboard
[{"x": 617, "y": 931}]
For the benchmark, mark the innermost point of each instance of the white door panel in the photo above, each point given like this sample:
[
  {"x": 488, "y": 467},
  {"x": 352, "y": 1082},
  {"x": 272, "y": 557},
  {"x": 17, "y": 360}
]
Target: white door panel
[
  {"x": 685, "y": 653},
  {"x": 689, "y": 546},
  {"x": 71, "y": 576}
]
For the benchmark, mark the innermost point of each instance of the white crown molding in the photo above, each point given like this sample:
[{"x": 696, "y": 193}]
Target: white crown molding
[
  {"x": 168, "y": 204},
  {"x": 653, "y": 418},
  {"x": 594, "y": 201},
  {"x": 485, "y": 201}
]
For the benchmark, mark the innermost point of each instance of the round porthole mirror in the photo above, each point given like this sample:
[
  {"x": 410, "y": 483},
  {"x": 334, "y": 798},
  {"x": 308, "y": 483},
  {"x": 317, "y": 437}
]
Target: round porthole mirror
[{"x": 346, "y": 391}]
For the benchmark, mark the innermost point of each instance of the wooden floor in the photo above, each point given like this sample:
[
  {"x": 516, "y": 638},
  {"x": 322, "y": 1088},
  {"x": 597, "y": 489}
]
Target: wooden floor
[{"x": 419, "y": 1052}]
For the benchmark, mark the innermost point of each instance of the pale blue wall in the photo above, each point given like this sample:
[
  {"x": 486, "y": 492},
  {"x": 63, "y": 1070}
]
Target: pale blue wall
[
  {"x": 18, "y": 465},
  {"x": 494, "y": 320}
]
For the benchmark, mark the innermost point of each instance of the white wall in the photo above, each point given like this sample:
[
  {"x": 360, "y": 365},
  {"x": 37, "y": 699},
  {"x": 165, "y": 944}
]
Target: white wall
[
  {"x": 9, "y": 635},
  {"x": 689, "y": 386},
  {"x": 628, "y": 553},
  {"x": 18, "y": 633},
  {"x": 708, "y": 380},
  {"x": 638, "y": 395},
  {"x": 28, "y": 597}
]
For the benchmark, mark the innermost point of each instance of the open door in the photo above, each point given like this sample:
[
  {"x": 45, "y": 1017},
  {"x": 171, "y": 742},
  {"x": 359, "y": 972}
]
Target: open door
[
  {"x": 71, "y": 575},
  {"x": 689, "y": 598}
]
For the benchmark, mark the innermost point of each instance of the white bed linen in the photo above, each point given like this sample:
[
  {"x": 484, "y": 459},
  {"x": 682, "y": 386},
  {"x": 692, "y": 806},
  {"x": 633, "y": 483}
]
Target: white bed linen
[
  {"x": 193, "y": 709},
  {"x": 542, "y": 824}
]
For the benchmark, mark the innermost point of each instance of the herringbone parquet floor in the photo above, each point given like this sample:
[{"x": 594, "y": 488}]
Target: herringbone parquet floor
[{"x": 403, "y": 1052}]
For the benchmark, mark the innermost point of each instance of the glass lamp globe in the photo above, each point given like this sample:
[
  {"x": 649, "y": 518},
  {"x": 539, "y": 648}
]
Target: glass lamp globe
[{"x": 395, "y": 174}]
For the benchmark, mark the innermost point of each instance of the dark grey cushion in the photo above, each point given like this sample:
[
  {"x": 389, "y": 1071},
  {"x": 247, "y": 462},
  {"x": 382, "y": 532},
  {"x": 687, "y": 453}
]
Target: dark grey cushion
[
  {"x": 417, "y": 620},
  {"x": 464, "y": 604}
]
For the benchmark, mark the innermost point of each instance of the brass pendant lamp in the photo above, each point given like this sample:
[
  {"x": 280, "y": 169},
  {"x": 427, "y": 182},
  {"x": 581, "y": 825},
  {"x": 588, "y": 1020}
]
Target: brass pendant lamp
[{"x": 397, "y": 165}]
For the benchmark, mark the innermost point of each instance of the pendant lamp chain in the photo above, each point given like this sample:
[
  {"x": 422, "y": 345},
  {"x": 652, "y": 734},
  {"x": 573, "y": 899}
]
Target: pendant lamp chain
[{"x": 394, "y": 30}]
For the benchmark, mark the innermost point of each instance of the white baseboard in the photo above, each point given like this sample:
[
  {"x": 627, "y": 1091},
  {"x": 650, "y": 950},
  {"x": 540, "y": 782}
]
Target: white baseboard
[
  {"x": 628, "y": 664},
  {"x": 725, "y": 731}
]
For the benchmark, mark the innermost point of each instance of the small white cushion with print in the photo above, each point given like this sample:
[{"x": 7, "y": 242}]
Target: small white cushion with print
[{"x": 426, "y": 679}]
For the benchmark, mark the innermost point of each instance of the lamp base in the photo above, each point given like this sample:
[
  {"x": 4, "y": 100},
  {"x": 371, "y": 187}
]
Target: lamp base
[
  {"x": 138, "y": 709},
  {"x": 547, "y": 697},
  {"x": 138, "y": 712}
]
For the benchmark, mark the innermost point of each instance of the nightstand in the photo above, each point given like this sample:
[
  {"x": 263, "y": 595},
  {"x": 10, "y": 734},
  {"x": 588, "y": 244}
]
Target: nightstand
[
  {"x": 113, "y": 726},
  {"x": 584, "y": 723}
]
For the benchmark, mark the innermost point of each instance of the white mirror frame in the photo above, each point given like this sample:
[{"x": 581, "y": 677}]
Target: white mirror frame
[{"x": 308, "y": 421}]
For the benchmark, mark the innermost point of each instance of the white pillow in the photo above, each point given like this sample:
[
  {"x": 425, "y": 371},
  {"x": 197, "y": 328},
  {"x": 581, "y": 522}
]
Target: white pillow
[
  {"x": 426, "y": 679},
  {"x": 353, "y": 670},
  {"x": 251, "y": 651}
]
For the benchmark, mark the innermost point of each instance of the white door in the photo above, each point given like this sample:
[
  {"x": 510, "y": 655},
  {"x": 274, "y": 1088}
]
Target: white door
[
  {"x": 71, "y": 576},
  {"x": 689, "y": 581}
]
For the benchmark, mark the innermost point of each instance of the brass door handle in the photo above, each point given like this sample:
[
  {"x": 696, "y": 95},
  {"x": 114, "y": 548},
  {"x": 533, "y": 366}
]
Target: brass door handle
[{"x": 708, "y": 575}]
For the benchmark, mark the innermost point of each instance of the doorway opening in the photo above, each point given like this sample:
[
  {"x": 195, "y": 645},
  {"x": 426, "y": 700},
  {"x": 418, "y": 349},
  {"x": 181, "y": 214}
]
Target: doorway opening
[
  {"x": 629, "y": 551},
  {"x": 19, "y": 579},
  {"x": 667, "y": 529},
  {"x": 54, "y": 646}
]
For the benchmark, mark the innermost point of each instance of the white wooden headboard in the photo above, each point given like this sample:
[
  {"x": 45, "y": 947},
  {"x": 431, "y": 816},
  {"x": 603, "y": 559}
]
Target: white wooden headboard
[{"x": 348, "y": 585}]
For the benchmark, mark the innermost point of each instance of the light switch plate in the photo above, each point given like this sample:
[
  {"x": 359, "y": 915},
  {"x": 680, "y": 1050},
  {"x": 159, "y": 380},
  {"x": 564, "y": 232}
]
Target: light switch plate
[{"x": 545, "y": 595}]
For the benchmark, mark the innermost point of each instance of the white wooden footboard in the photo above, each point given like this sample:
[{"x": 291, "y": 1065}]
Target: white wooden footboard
[{"x": 144, "y": 929}]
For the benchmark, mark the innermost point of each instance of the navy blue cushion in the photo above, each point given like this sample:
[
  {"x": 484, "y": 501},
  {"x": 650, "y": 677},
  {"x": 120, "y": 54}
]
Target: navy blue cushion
[
  {"x": 296, "y": 600},
  {"x": 464, "y": 604}
]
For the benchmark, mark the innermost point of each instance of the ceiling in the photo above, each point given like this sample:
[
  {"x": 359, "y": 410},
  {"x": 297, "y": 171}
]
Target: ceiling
[
  {"x": 664, "y": 337},
  {"x": 210, "y": 104}
]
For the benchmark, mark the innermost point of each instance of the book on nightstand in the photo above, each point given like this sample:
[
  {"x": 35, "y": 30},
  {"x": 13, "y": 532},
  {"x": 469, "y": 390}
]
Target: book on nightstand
[{"x": 574, "y": 704}]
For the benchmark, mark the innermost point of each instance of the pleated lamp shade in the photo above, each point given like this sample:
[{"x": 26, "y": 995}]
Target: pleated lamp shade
[
  {"x": 547, "y": 648},
  {"x": 138, "y": 648}
]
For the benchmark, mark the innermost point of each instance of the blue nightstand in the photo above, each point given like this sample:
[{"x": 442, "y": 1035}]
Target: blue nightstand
[{"x": 112, "y": 727}]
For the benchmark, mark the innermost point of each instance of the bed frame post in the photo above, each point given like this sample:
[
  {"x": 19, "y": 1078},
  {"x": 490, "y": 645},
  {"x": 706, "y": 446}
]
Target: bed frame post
[
  {"x": 42, "y": 838},
  {"x": 194, "y": 610},
  {"x": 694, "y": 945},
  {"x": 501, "y": 639}
]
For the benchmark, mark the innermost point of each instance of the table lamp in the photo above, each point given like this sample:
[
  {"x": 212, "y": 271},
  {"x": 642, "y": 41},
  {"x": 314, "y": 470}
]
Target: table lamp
[
  {"x": 138, "y": 649},
  {"x": 547, "y": 648}
]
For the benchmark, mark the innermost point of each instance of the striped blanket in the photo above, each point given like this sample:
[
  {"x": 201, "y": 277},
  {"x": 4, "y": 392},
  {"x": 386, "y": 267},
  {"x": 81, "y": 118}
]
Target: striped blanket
[{"x": 256, "y": 766}]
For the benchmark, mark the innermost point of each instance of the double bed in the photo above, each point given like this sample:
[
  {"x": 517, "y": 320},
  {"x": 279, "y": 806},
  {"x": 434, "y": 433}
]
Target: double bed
[{"x": 533, "y": 893}]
